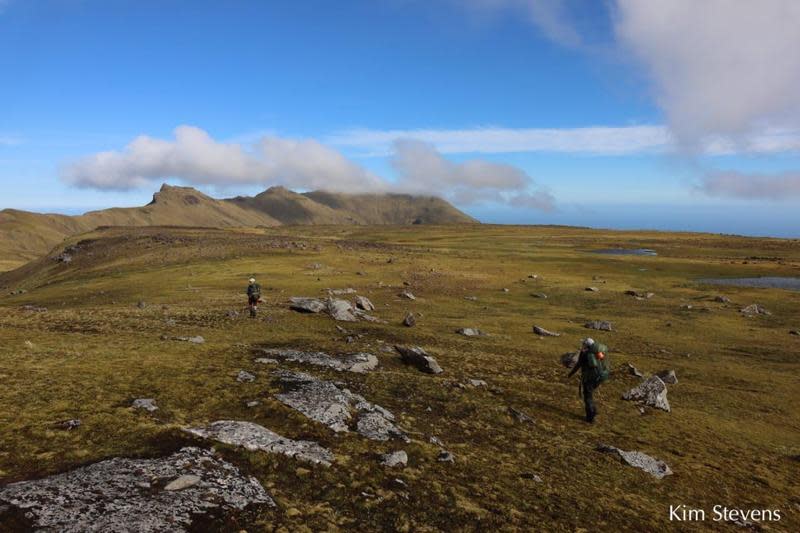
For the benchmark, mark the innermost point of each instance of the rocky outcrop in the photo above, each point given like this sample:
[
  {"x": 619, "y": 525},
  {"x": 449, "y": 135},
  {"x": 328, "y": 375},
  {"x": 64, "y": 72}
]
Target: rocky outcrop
[
  {"x": 324, "y": 402},
  {"x": 341, "y": 310},
  {"x": 255, "y": 437},
  {"x": 143, "y": 495},
  {"x": 652, "y": 466},
  {"x": 652, "y": 392},
  {"x": 418, "y": 357},
  {"x": 306, "y": 305},
  {"x": 358, "y": 362},
  {"x": 364, "y": 303}
]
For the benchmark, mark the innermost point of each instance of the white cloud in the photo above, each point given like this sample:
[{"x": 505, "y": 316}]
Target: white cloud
[
  {"x": 783, "y": 186},
  {"x": 422, "y": 169},
  {"x": 195, "y": 158},
  {"x": 726, "y": 68},
  {"x": 551, "y": 17},
  {"x": 599, "y": 140}
]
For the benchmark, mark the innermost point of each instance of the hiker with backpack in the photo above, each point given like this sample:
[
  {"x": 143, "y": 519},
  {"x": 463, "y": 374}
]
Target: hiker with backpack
[
  {"x": 594, "y": 365},
  {"x": 253, "y": 297}
]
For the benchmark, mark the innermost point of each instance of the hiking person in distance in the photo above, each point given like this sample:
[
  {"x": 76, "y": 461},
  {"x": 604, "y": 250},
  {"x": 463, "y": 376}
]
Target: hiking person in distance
[
  {"x": 253, "y": 297},
  {"x": 594, "y": 366}
]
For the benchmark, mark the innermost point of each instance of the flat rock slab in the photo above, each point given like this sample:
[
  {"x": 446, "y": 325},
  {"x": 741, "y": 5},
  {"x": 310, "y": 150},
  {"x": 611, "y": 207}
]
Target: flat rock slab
[
  {"x": 601, "y": 325},
  {"x": 652, "y": 392},
  {"x": 358, "y": 362},
  {"x": 324, "y": 402},
  {"x": 254, "y": 437},
  {"x": 419, "y": 358},
  {"x": 141, "y": 495},
  {"x": 545, "y": 333},
  {"x": 470, "y": 332},
  {"x": 197, "y": 339},
  {"x": 652, "y": 466},
  {"x": 754, "y": 309},
  {"x": 341, "y": 310},
  {"x": 307, "y": 305}
]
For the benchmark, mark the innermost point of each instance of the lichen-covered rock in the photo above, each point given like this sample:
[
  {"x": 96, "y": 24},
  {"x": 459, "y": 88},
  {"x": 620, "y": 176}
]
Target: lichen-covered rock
[
  {"x": 418, "y": 357},
  {"x": 141, "y": 495},
  {"x": 545, "y": 333},
  {"x": 245, "y": 377},
  {"x": 652, "y": 392},
  {"x": 255, "y": 437},
  {"x": 336, "y": 408},
  {"x": 148, "y": 404},
  {"x": 668, "y": 376},
  {"x": 601, "y": 325},
  {"x": 633, "y": 371},
  {"x": 652, "y": 466},
  {"x": 340, "y": 292},
  {"x": 753, "y": 310},
  {"x": 341, "y": 310},
  {"x": 395, "y": 459},
  {"x": 470, "y": 332},
  {"x": 306, "y": 305},
  {"x": 363, "y": 303},
  {"x": 358, "y": 362},
  {"x": 409, "y": 321}
]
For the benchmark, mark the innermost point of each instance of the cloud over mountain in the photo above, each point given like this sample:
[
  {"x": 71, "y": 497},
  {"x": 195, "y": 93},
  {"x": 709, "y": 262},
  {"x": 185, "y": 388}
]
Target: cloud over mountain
[{"x": 196, "y": 158}]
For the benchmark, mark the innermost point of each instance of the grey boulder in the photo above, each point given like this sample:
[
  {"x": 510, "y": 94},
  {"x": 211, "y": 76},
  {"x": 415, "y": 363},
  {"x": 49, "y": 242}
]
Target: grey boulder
[
  {"x": 652, "y": 466},
  {"x": 545, "y": 333},
  {"x": 418, "y": 357},
  {"x": 601, "y": 325},
  {"x": 358, "y": 362},
  {"x": 652, "y": 392}
]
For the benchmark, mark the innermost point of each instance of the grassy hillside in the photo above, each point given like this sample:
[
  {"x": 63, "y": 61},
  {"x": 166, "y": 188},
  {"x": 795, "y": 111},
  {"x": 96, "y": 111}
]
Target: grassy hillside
[
  {"x": 25, "y": 236},
  {"x": 732, "y": 438}
]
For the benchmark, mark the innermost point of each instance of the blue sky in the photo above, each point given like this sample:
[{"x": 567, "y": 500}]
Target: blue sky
[{"x": 519, "y": 111}]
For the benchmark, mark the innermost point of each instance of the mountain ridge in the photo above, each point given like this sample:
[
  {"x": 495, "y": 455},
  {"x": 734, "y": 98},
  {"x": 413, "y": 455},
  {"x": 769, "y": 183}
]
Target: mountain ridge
[{"x": 26, "y": 235}]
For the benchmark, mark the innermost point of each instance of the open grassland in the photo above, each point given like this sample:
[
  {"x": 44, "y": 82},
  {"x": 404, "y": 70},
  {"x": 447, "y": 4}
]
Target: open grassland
[{"x": 732, "y": 438}]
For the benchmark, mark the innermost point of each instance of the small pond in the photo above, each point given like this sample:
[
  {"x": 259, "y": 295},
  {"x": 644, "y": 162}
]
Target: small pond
[{"x": 767, "y": 282}]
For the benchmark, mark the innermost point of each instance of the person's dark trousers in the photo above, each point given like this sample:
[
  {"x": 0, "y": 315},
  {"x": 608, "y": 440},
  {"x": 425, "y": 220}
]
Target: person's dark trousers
[{"x": 588, "y": 401}]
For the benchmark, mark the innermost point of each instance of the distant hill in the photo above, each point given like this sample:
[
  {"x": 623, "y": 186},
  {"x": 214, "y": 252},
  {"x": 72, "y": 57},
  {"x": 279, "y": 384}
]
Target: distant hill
[{"x": 25, "y": 236}]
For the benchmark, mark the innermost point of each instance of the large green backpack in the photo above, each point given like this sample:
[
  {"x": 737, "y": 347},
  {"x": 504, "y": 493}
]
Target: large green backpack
[{"x": 599, "y": 362}]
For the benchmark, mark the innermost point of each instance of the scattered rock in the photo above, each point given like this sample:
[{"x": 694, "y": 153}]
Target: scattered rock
[
  {"x": 148, "y": 404},
  {"x": 267, "y": 361},
  {"x": 795, "y": 332},
  {"x": 123, "y": 494},
  {"x": 633, "y": 371},
  {"x": 407, "y": 295},
  {"x": 477, "y": 383},
  {"x": 255, "y": 437},
  {"x": 306, "y": 305},
  {"x": 341, "y": 310},
  {"x": 652, "y": 466},
  {"x": 652, "y": 392},
  {"x": 533, "y": 276},
  {"x": 409, "y": 321},
  {"x": 722, "y": 299},
  {"x": 471, "y": 298},
  {"x": 340, "y": 292},
  {"x": 667, "y": 376},
  {"x": 245, "y": 377},
  {"x": 363, "y": 303},
  {"x": 540, "y": 295},
  {"x": 141, "y": 305},
  {"x": 34, "y": 308},
  {"x": 470, "y": 332},
  {"x": 640, "y": 295},
  {"x": 418, "y": 357},
  {"x": 232, "y": 313},
  {"x": 519, "y": 416},
  {"x": 395, "y": 459},
  {"x": 601, "y": 325},
  {"x": 505, "y": 290},
  {"x": 569, "y": 359},
  {"x": 252, "y": 403},
  {"x": 446, "y": 457},
  {"x": 754, "y": 309},
  {"x": 315, "y": 266},
  {"x": 545, "y": 333},
  {"x": 69, "y": 425},
  {"x": 197, "y": 339},
  {"x": 591, "y": 289},
  {"x": 437, "y": 441},
  {"x": 327, "y": 404},
  {"x": 64, "y": 258},
  {"x": 183, "y": 482},
  {"x": 358, "y": 362}
]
